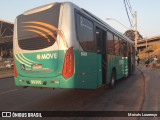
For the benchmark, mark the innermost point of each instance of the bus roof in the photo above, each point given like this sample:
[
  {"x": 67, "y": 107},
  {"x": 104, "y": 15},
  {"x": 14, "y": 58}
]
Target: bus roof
[
  {"x": 109, "y": 27},
  {"x": 104, "y": 24}
]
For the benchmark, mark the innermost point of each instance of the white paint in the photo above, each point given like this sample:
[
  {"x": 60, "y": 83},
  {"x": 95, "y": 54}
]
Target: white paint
[
  {"x": 47, "y": 56},
  {"x": 83, "y": 53},
  {"x": 8, "y": 91}
]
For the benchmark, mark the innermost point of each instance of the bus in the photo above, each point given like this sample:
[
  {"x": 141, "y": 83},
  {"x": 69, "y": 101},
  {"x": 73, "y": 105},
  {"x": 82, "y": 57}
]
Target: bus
[{"x": 61, "y": 45}]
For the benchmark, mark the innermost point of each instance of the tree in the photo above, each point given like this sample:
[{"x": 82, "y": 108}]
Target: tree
[{"x": 131, "y": 35}]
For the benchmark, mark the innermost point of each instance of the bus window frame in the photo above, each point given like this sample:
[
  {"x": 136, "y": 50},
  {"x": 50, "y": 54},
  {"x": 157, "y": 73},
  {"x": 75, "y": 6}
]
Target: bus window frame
[
  {"x": 115, "y": 51},
  {"x": 108, "y": 44},
  {"x": 76, "y": 29}
]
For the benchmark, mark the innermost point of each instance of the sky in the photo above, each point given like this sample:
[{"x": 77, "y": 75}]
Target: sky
[{"x": 148, "y": 18}]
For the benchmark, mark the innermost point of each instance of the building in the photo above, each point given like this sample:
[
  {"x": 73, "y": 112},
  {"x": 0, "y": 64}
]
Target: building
[
  {"x": 6, "y": 39},
  {"x": 142, "y": 44}
]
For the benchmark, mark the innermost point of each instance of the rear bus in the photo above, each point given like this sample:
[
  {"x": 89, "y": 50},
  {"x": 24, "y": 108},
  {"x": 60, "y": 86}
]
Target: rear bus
[{"x": 42, "y": 55}]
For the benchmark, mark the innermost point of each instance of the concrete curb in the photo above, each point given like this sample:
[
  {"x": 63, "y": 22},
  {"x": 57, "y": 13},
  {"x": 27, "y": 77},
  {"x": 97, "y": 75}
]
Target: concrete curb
[{"x": 6, "y": 76}]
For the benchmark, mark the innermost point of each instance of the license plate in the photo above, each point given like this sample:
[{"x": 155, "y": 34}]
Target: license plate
[
  {"x": 37, "y": 66},
  {"x": 36, "y": 82}
]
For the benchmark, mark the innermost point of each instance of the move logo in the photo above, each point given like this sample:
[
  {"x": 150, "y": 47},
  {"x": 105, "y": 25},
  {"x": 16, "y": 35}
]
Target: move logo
[{"x": 47, "y": 56}]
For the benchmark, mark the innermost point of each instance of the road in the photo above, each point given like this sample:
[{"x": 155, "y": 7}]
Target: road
[
  {"x": 152, "y": 88},
  {"x": 127, "y": 95},
  {"x": 152, "y": 97}
]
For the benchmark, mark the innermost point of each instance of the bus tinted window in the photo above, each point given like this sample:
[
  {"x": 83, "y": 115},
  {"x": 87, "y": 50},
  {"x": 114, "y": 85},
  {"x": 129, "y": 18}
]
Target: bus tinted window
[
  {"x": 123, "y": 48},
  {"x": 38, "y": 30},
  {"x": 117, "y": 45},
  {"x": 85, "y": 33},
  {"x": 120, "y": 47},
  {"x": 129, "y": 48},
  {"x": 110, "y": 43}
]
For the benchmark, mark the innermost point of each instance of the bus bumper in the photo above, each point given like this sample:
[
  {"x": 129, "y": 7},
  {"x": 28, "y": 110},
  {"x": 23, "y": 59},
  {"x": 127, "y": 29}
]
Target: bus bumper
[{"x": 47, "y": 82}]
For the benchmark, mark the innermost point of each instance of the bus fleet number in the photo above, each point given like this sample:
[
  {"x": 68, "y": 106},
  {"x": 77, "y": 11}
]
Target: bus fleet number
[{"x": 83, "y": 53}]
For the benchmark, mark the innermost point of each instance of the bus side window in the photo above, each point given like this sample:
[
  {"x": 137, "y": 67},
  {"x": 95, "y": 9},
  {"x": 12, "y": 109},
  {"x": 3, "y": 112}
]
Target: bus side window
[
  {"x": 99, "y": 40},
  {"x": 122, "y": 48},
  {"x": 85, "y": 33},
  {"x": 117, "y": 45},
  {"x": 110, "y": 43}
]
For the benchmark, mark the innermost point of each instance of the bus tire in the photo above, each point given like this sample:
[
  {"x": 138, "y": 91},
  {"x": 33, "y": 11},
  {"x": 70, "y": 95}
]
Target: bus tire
[{"x": 113, "y": 79}]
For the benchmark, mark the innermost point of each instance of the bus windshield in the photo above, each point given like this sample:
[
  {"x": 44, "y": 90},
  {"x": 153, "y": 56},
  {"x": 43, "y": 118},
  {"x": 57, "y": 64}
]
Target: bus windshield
[{"x": 38, "y": 28}]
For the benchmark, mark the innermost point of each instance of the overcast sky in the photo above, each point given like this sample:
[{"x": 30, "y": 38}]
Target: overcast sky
[{"x": 148, "y": 16}]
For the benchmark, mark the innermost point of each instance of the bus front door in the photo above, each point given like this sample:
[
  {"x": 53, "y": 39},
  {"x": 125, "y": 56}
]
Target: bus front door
[{"x": 101, "y": 56}]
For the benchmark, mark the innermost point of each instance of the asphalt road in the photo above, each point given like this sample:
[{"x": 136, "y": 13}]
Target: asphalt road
[
  {"x": 127, "y": 95},
  {"x": 152, "y": 97}
]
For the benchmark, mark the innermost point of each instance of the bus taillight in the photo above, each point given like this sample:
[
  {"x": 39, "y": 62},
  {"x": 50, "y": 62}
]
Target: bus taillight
[
  {"x": 15, "y": 70},
  {"x": 68, "y": 67}
]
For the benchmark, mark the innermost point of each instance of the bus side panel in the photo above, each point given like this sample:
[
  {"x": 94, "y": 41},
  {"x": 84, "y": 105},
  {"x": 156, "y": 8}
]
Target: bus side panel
[
  {"x": 125, "y": 66},
  {"x": 87, "y": 70},
  {"x": 115, "y": 62},
  {"x": 99, "y": 70},
  {"x": 118, "y": 63}
]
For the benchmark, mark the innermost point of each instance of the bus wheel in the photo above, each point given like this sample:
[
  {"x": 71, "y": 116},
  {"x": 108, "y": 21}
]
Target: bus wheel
[{"x": 113, "y": 79}]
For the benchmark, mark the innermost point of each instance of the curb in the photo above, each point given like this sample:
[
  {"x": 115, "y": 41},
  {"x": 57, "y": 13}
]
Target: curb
[{"x": 6, "y": 76}]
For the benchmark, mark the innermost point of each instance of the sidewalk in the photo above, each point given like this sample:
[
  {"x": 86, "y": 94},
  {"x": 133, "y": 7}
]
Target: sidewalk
[
  {"x": 5, "y": 72},
  {"x": 141, "y": 65},
  {"x": 6, "y": 75}
]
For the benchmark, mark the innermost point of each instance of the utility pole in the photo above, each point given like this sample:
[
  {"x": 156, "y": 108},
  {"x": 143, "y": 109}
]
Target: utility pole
[
  {"x": 0, "y": 37},
  {"x": 135, "y": 30},
  {"x": 146, "y": 43}
]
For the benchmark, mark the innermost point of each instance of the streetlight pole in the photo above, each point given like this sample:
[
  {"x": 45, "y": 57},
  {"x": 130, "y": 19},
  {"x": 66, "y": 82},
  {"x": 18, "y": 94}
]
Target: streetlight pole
[
  {"x": 117, "y": 21},
  {"x": 0, "y": 37},
  {"x": 146, "y": 43},
  {"x": 136, "y": 31}
]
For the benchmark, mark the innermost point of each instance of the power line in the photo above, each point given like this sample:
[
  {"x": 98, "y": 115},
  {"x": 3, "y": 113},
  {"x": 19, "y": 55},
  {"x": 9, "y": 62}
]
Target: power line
[
  {"x": 130, "y": 7},
  {"x": 127, "y": 12},
  {"x": 131, "y": 11}
]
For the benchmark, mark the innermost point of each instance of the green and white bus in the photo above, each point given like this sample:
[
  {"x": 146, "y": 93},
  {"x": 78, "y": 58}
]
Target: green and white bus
[{"x": 61, "y": 45}]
